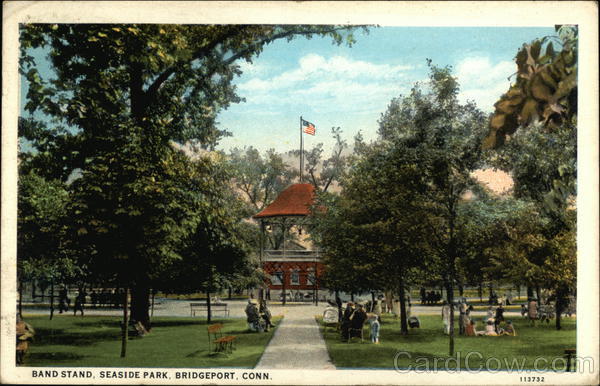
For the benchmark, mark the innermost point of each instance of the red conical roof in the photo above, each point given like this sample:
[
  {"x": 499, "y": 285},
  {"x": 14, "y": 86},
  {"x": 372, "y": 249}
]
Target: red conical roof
[{"x": 295, "y": 200}]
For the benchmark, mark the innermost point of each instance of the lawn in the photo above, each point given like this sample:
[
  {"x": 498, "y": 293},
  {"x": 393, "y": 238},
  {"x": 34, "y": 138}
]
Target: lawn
[
  {"x": 430, "y": 343},
  {"x": 95, "y": 341}
]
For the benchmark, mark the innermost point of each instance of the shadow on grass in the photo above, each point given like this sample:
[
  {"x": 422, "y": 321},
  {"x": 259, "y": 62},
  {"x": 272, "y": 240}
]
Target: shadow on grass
[
  {"x": 197, "y": 353},
  {"x": 47, "y": 336},
  {"x": 99, "y": 323},
  {"x": 178, "y": 323},
  {"x": 54, "y": 356}
]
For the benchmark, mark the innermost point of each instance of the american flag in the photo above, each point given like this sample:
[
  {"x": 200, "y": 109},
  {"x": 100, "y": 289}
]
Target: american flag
[{"x": 308, "y": 127}]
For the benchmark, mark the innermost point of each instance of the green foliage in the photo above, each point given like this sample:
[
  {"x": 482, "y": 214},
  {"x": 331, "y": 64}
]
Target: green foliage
[
  {"x": 259, "y": 177},
  {"x": 323, "y": 173},
  {"x": 169, "y": 80},
  {"x": 118, "y": 97},
  {"x": 41, "y": 249},
  {"x": 545, "y": 89}
]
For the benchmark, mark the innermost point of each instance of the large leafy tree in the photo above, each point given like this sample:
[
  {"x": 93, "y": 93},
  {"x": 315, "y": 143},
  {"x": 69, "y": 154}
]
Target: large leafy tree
[
  {"x": 445, "y": 137},
  {"x": 259, "y": 178},
  {"x": 368, "y": 231},
  {"x": 43, "y": 251},
  {"x": 213, "y": 251},
  {"x": 118, "y": 95}
]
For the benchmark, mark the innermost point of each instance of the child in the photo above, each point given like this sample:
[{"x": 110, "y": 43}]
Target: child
[
  {"x": 510, "y": 329},
  {"x": 523, "y": 310},
  {"x": 374, "y": 327}
]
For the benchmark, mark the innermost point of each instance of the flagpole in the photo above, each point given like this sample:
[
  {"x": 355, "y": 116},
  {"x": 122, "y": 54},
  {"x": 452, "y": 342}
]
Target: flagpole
[{"x": 301, "y": 151}]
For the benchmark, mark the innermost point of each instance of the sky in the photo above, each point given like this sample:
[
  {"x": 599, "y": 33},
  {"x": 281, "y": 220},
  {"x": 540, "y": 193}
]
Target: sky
[{"x": 350, "y": 87}]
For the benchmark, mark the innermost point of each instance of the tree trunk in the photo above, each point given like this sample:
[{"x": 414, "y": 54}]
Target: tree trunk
[
  {"x": 352, "y": 297},
  {"x": 229, "y": 293},
  {"x": 140, "y": 305},
  {"x": 461, "y": 290},
  {"x": 480, "y": 292},
  {"x": 125, "y": 331},
  {"x": 208, "y": 310},
  {"x": 21, "y": 298},
  {"x": 529, "y": 292},
  {"x": 372, "y": 302},
  {"x": 538, "y": 292},
  {"x": 450, "y": 299},
  {"x": 403, "y": 322},
  {"x": 339, "y": 305},
  {"x": 560, "y": 305},
  {"x": 51, "y": 299},
  {"x": 152, "y": 307}
]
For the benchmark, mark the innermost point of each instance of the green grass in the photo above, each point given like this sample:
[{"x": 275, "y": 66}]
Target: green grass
[
  {"x": 95, "y": 341},
  {"x": 429, "y": 342}
]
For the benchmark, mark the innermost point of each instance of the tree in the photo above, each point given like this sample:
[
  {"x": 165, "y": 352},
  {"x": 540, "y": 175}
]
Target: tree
[
  {"x": 213, "y": 252},
  {"x": 446, "y": 138},
  {"x": 545, "y": 89},
  {"x": 259, "y": 177},
  {"x": 323, "y": 173},
  {"x": 120, "y": 95},
  {"x": 42, "y": 251},
  {"x": 367, "y": 232},
  {"x": 539, "y": 116}
]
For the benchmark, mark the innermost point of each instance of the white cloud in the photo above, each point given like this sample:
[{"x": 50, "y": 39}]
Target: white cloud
[
  {"x": 483, "y": 81},
  {"x": 315, "y": 68},
  {"x": 325, "y": 84}
]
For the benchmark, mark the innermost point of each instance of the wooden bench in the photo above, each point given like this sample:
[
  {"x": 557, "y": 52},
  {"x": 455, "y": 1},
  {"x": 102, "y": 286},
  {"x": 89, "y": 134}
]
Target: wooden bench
[
  {"x": 214, "y": 307},
  {"x": 218, "y": 342}
]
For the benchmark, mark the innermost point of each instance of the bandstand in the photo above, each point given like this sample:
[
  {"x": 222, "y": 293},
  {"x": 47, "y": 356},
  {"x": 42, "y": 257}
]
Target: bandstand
[{"x": 293, "y": 269}]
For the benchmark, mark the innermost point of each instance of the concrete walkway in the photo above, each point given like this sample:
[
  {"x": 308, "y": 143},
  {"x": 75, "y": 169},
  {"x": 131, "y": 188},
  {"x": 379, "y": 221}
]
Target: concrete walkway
[{"x": 297, "y": 343}]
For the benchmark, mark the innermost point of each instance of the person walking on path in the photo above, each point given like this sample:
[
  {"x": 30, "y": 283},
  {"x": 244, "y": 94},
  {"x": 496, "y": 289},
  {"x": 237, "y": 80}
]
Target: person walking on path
[
  {"x": 79, "y": 301},
  {"x": 63, "y": 300}
]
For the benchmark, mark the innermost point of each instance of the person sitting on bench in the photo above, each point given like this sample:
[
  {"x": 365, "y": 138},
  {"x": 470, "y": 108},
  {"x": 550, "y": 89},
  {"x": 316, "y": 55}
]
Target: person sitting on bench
[
  {"x": 265, "y": 313},
  {"x": 253, "y": 316}
]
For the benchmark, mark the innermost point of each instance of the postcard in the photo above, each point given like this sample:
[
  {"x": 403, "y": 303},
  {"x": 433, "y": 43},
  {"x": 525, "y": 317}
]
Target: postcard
[{"x": 299, "y": 192}]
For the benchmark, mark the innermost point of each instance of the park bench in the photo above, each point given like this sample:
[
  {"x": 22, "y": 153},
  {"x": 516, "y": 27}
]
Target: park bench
[
  {"x": 214, "y": 307},
  {"x": 218, "y": 342}
]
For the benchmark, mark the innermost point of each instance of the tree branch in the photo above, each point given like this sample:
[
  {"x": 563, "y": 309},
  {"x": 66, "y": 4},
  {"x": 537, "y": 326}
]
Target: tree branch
[{"x": 153, "y": 88}]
